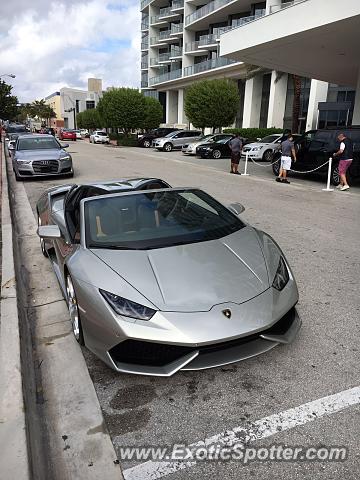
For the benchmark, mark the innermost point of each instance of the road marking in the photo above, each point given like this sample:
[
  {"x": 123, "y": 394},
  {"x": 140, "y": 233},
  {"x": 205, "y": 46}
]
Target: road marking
[{"x": 263, "y": 428}]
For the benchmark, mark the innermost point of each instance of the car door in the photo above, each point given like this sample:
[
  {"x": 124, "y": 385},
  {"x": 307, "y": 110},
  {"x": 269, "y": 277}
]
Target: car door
[
  {"x": 354, "y": 169},
  {"x": 321, "y": 147},
  {"x": 302, "y": 145},
  {"x": 179, "y": 139}
]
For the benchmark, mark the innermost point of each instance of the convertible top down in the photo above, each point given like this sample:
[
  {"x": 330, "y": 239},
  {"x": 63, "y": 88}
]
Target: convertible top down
[{"x": 159, "y": 279}]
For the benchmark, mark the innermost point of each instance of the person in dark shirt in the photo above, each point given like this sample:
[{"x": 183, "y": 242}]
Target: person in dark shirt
[
  {"x": 236, "y": 146},
  {"x": 345, "y": 154},
  {"x": 287, "y": 154}
]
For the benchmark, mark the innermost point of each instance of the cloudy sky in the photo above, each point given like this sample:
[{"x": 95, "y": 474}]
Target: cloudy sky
[{"x": 50, "y": 44}]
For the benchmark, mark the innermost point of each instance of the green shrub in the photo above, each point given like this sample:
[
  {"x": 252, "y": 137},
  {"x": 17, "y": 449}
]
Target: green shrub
[{"x": 253, "y": 133}]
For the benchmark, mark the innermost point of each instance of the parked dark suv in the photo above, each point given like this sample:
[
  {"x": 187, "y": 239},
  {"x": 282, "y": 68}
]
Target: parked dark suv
[
  {"x": 146, "y": 139},
  {"x": 316, "y": 146}
]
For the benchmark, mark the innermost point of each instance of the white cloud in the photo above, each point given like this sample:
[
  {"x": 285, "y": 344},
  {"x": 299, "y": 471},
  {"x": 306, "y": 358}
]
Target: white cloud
[{"x": 50, "y": 44}]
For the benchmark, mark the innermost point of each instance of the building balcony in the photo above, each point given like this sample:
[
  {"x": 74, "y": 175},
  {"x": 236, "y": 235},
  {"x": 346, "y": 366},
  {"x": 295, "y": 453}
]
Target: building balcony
[
  {"x": 192, "y": 48},
  {"x": 177, "y": 5},
  {"x": 144, "y": 4},
  {"x": 177, "y": 28},
  {"x": 206, "y": 10},
  {"x": 165, "y": 15},
  {"x": 208, "y": 41},
  {"x": 276, "y": 8},
  {"x": 144, "y": 83},
  {"x": 166, "y": 77},
  {"x": 145, "y": 44},
  {"x": 145, "y": 23},
  {"x": 144, "y": 63},
  {"x": 207, "y": 65},
  {"x": 175, "y": 52}
]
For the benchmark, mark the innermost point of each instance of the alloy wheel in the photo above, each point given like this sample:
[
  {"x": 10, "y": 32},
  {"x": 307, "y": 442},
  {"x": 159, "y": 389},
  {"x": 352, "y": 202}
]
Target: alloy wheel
[
  {"x": 167, "y": 147},
  {"x": 268, "y": 156},
  {"x": 335, "y": 176},
  {"x": 216, "y": 154},
  {"x": 147, "y": 144},
  {"x": 73, "y": 309}
]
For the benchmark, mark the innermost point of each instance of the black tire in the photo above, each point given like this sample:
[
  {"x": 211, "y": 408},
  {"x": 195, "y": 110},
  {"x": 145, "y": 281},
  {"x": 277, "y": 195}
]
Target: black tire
[
  {"x": 168, "y": 147},
  {"x": 268, "y": 156},
  {"x": 146, "y": 143},
  {"x": 42, "y": 241},
  {"x": 216, "y": 154},
  {"x": 335, "y": 177},
  {"x": 276, "y": 167},
  {"x": 74, "y": 310}
]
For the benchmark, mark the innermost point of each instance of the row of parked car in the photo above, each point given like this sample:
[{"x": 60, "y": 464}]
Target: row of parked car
[{"x": 313, "y": 147}]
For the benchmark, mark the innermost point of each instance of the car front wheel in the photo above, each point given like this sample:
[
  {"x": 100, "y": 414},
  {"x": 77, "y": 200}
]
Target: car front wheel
[
  {"x": 146, "y": 144},
  {"x": 74, "y": 311},
  {"x": 168, "y": 147},
  {"x": 216, "y": 154},
  {"x": 268, "y": 156}
]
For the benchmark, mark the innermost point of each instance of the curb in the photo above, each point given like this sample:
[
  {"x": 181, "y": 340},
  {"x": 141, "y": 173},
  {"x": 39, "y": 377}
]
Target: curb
[
  {"x": 13, "y": 444},
  {"x": 67, "y": 434}
]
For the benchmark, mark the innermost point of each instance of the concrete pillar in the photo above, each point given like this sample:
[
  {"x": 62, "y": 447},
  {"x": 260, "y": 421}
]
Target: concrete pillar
[
  {"x": 182, "y": 120},
  {"x": 171, "y": 107},
  {"x": 252, "y": 102},
  {"x": 356, "y": 115},
  {"x": 318, "y": 93},
  {"x": 277, "y": 99}
]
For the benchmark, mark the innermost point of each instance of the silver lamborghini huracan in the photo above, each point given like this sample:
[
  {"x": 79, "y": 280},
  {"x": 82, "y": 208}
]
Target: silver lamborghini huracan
[{"x": 160, "y": 279}]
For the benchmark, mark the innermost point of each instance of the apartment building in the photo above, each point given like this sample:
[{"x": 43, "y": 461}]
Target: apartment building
[{"x": 184, "y": 41}]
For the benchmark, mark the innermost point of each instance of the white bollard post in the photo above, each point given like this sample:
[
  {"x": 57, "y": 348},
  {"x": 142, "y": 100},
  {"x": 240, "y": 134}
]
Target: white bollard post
[
  {"x": 328, "y": 189},
  {"x": 246, "y": 164}
]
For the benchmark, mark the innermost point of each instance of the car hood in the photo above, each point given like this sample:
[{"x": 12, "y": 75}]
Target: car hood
[
  {"x": 51, "y": 154},
  {"x": 197, "y": 276}
]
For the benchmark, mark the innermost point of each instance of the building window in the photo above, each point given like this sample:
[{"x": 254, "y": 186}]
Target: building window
[{"x": 90, "y": 104}]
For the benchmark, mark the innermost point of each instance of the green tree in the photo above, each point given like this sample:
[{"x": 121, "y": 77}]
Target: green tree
[
  {"x": 89, "y": 119},
  {"x": 122, "y": 108},
  {"x": 8, "y": 102},
  {"x": 212, "y": 103},
  {"x": 153, "y": 113},
  {"x": 42, "y": 110}
]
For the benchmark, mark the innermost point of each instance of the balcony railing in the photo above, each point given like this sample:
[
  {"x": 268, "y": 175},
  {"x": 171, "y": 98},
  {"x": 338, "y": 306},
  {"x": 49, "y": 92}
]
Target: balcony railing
[
  {"x": 144, "y": 4},
  {"x": 276, "y": 8},
  {"x": 205, "y": 10},
  {"x": 177, "y": 28},
  {"x": 145, "y": 24},
  {"x": 164, "y": 57},
  {"x": 207, "y": 39},
  {"x": 144, "y": 83},
  {"x": 145, "y": 43},
  {"x": 165, "y": 77},
  {"x": 176, "y": 52},
  {"x": 207, "y": 65},
  {"x": 164, "y": 35},
  {"x": 177, "y": 4},
  {"x": 145, "y": 62},
  {"x": 191, "y": 46}
]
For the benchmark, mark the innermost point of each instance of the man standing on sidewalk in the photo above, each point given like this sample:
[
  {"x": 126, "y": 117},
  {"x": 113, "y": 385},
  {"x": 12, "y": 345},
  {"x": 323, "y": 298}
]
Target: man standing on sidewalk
[
  {"x": 235, "y": 146},
  {"x": 345, "y": 154},
  {"x": 287, "y": 151}
]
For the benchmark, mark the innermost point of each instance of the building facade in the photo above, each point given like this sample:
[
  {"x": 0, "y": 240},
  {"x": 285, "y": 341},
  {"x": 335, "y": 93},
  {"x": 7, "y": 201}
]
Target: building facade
[
  {"x": 54, "y": 102},
  {"x": 188, "y": 40}
]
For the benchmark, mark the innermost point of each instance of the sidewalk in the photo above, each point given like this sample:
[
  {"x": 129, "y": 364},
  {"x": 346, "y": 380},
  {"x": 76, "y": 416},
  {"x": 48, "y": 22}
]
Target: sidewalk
[{"x": 13, "y": 445}]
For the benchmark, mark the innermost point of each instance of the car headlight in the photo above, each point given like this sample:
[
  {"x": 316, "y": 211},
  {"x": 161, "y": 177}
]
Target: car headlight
[
  {"x": 67, "y": 157},
  {"x": 208, "y": 149},
  {"x": 126, "y": 307},
  {"x": 256, "y": 149},
  {"x": 23, "y": 161},
  {"x": 282, "y": 276}
]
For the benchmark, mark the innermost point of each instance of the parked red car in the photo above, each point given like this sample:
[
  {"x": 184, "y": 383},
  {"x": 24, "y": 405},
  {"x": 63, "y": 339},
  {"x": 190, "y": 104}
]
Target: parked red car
[{"x": 66, "y": 134}]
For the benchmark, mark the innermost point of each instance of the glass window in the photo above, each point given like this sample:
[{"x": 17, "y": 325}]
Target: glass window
[
  {"x": 39, "y": 143},
  {"x": 270, "y": 139},
  {"x": 144, "y": 221}
]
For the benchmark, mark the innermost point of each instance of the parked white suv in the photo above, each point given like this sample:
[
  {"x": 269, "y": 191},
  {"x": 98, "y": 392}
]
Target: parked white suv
[
  {"x": 99, "y": 137},
  {"x": 176, "y": 139}
]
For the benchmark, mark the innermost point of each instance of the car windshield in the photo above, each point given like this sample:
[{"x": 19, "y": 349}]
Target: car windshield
[
  {"x": 270, "y": 139},
  {"x": 68, "y": 130},
  {"x": 156, "y": 219},
  {"x": 171, "y": 134},
  {"x": 38, "y": 143},
  {"x": 103, "y": 134}
]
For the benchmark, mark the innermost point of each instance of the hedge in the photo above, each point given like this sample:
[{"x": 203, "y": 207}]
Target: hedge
[
  {"x": 253, "y": 133},
  {"x": 123, "y": 140}
]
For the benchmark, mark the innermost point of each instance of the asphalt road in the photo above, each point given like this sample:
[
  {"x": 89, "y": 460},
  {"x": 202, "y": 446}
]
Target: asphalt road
[{"x": 319, "y": 233}]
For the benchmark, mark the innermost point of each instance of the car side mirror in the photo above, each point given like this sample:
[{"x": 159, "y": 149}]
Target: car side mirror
[
  {"x": 64, "y": 145},
  {"x": 49, "y": 231},
  {"x": 11, "y": 145},
  {"x": 236, "y": 208},
  {"x": 258, "y": 139}
]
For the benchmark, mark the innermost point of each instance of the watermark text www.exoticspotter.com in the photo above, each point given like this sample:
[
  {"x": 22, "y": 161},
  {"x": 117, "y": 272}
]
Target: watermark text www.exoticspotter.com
[{"x": 240, "y": 453}]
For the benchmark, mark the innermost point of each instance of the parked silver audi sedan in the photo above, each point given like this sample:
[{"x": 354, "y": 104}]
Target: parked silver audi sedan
[{"x": 40, "y": 155}]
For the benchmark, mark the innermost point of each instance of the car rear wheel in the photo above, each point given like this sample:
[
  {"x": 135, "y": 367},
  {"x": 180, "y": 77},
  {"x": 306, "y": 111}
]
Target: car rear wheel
[
  {"x": 216, "y": 154},
  {"x": 74, "y": 311},
  {"x": 335, "y": 176},
  {"x": 268, "y": 156},
  {"x": 42, "y": 241},
  {"x": 168, "y": 147},
  {"x": 146, "y": 144}
]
